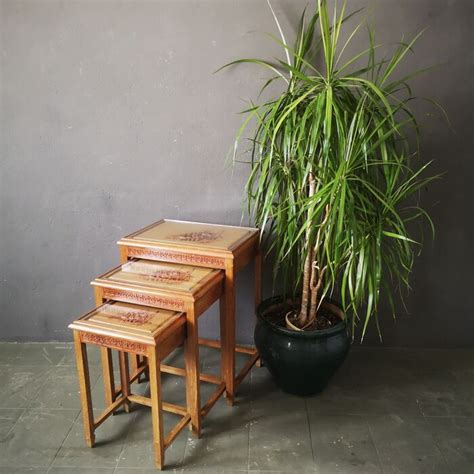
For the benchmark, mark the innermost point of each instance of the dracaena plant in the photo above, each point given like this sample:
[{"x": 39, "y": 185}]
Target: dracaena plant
[{"x": 334, "y": 177}]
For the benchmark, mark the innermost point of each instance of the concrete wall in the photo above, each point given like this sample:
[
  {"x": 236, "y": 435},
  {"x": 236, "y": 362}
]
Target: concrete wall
[{"x": 111, "y": 118}]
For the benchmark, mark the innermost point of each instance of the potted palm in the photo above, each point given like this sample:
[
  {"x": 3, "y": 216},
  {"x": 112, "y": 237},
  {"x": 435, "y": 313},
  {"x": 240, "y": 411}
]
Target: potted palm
[{"x": 333, "y": 181}]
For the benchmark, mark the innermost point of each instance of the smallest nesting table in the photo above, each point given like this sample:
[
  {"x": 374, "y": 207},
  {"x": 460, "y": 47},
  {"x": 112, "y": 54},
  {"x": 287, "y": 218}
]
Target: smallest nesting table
[{"x": 139, "y": 330}]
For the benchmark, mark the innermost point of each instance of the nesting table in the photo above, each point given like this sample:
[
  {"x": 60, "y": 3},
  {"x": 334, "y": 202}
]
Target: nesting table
[
  {"x": 171, "y": 272},
  {"x": 223, "y": 247},
  {"x": 137, "y": 330}
]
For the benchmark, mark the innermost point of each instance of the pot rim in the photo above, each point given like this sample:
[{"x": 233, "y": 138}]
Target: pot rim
[{"x": 316, "y": 333}]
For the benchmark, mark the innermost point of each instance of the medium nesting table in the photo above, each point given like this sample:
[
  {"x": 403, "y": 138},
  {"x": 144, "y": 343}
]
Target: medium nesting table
[
  {"x": 222, "y": 247},
  {"x": 191, "y": 290}
]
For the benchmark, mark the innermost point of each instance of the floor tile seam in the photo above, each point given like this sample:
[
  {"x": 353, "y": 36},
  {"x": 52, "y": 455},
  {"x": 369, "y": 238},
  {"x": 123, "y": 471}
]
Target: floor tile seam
[
  {"x": 30, "y": 408},
  {"x": 96, "y": 381},
  {"x": 49, "y": 373},
  {"x": 73, "y": 364},
  {"x": 41, "y": 386},
  {"x": 435, "y": 441},
  {"x": 24, "y": 407},
  {"x": 381, "y": 414},
  {"x": 119, "y": 457},
  {"x": 309, "y": 434},
  {"x": 127, "y": 434},
  {"x": 37, "y": 343},
  {"x": 448, "y": 416},
  {"x": 185, "y": 450},
  {"x": 249, "y": 424},
  {"x": 23, "y": 410},
  {"x": 64, "y": 439},
  {"x": 21, "y": 466},
  {"x": 31, "y": 366},
  {"x": 183, "y": 456},
  {"x": 50, "y": 364},
  {"x": 372, "y": 416},
  {"x": 63, "y": 357},
  {"x": 372, "y": 437}
]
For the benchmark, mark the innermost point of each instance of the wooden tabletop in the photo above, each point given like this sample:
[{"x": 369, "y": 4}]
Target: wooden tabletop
[
  {"x": 129, "y": 321},
  {"x": 160, "y": 277},
  {"x": 213, "y": 237}
]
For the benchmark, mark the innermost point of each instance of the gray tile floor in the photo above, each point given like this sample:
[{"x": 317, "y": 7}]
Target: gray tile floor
[{"x": 386, "y": 411}]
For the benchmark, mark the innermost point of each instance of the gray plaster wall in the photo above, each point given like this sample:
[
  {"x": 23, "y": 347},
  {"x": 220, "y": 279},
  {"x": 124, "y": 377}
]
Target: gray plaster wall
[{"x": 111, "y": 118}]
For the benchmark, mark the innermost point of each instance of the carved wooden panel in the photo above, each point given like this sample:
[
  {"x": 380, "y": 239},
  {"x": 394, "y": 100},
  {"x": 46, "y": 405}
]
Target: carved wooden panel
[
  {"x": 203, "y": 237},
  {"x": 137, "y": 318},
  {"x": 114, "y": 343},
  {"x": 169, "y": 276},
  {"x": 177, "y": 257},
  {"x": 144, "y": 299}
]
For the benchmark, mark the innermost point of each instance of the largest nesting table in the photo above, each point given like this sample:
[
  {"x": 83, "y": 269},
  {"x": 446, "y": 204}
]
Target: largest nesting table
[{"x": 228, "y": 248}]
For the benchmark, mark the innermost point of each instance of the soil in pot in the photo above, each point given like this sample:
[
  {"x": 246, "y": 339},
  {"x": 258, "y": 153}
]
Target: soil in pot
[{"x": 275, "y": 314}]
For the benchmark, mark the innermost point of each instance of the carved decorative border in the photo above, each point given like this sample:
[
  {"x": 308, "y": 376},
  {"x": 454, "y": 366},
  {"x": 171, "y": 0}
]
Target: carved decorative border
[
  {"x": 144, "y": 299},
  {"x": 177, "y": 257},
  {"x": 114, "y": 343}
]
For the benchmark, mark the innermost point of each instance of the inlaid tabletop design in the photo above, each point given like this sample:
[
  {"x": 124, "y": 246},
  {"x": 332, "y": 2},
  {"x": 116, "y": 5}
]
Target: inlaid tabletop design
[
  {"x": 193, "y": 234},
  {"x": 158, "y": 275},
  {"x": 115, "y": 318}
]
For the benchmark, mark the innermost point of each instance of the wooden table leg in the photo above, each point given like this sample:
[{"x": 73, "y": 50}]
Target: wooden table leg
[
  {"x": 125, "y": 378},
  {"x": 108, "y": 375},
  {"x": 191, "y": 357},
  {"x": 85, "y": 389},
  {"x": 227, "y": 323},
  {"x": 156, "y": 407}
]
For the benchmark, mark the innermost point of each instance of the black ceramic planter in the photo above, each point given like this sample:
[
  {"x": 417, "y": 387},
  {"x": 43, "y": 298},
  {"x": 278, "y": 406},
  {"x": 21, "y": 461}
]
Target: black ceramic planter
[{"x": 301, "y": 362}]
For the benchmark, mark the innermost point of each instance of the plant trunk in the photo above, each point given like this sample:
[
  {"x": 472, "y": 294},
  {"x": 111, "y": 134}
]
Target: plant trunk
[
  {"x": 317, "y": 272},
  {"x": 316, "y": 280},
  {"x": 308, "y": 264}
]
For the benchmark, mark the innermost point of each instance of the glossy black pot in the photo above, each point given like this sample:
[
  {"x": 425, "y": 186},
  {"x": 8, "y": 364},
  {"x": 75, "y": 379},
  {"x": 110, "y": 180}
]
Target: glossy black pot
[{"x": 301, "y": 362}]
